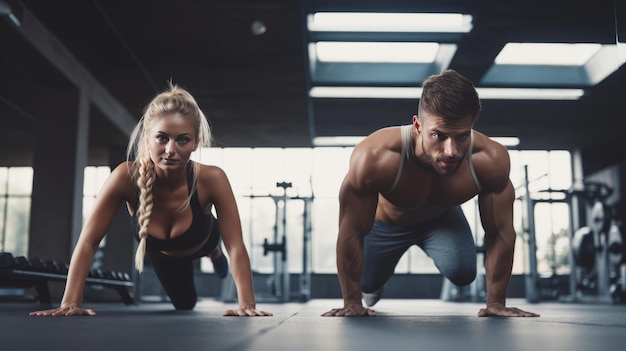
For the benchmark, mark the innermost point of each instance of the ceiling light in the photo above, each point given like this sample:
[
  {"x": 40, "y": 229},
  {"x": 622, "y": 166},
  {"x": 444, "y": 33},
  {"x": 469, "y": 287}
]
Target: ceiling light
[
  {"x": 415, "y": 93},
  {"x": 389, "y": 22},
  {"x": 551, "y": 54},
  {"x": 337, "y": 140},
  {"x": 258, "y": 27},
  {"x": 529, "y": 94},
  {"x": 336, "y": 51},
  {"x": 366, "y": 92},
  {"x": 353, "y": 140},
  {"x": 6, "y": 10},
  {"x": 546, "y": 65},
  {"x": 506, "y": 141}
]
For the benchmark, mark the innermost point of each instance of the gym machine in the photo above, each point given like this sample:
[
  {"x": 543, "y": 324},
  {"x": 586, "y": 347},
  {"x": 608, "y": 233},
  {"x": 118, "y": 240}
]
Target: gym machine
[
  {"x": 278, "y": 283},
  {"x": 540, "y": 287},
  {"x": 599, "y": 266}
]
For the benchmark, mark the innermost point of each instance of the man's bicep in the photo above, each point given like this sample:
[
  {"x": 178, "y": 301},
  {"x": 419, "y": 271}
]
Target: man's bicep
[
  {"x": 496, "y": 208},
  {"x": 357, "y": 208}
]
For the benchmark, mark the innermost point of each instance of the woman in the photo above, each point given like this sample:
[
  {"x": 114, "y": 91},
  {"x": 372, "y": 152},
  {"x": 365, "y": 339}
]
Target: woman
[{"x": 170, "y": 199}]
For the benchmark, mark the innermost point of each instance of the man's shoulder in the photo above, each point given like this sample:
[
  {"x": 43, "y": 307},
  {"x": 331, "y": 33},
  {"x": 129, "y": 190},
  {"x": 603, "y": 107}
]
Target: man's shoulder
[
  {"x": 491, "y": 162},
  {"x": 377, "y": 157},
  {"x": 386, "y": 139},
  {"x": 491, "y": 150},
  {"x": 379, "y": 148},
  {"x": 385, "y": 133}
]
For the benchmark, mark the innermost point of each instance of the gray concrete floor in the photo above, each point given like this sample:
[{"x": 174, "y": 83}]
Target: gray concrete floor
[{"x": 400, "y": 325}]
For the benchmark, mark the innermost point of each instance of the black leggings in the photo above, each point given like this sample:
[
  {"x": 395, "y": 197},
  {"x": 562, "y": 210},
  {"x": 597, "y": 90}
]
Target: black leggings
[{"x": 176, "y": 274}]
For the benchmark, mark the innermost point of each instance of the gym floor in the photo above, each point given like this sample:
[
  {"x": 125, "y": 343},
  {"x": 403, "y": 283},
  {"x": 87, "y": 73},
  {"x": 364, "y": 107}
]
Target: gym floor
[{"x": 400, "y": 325}]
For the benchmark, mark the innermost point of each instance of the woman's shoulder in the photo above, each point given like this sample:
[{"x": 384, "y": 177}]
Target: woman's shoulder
[
  {"x": 211, "y": 178},
  {"x": 213, "y": 184},
  {"x": 122, "y": 177},
  {"x": 123, "y": 171},
  {"x": 209, "y": 172}
]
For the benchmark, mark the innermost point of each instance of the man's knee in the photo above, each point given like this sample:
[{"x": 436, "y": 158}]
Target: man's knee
[
  {"x": 369, "y": 286},
  {"x": 462, "y": 277}
]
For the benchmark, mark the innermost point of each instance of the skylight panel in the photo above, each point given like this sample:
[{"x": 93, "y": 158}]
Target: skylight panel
[
  {"x": 389, "y": 22},
  {"x": 376, "y": 52},
  {"x": 337, "y": 140},
  {"x": 507, "y": 141},
  {"x": 353, "y": 140},
  {"x": 551, "y": 54},
  {"x": 416, "y": 92}
]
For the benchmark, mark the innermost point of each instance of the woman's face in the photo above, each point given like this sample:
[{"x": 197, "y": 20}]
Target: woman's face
[{"x": 172, "y": 139}]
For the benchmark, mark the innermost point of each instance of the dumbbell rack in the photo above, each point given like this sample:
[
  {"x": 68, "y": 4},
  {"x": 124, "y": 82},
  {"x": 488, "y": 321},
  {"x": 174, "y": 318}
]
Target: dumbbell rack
[{"x": 20, "y": 272}]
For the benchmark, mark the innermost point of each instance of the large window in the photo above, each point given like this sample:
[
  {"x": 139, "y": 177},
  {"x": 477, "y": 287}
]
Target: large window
[
  {"x": 549, "y": 176},
  {"x": 15, "y": 189},
  {"x": 318, "y": 173},
  {"x": 315, "y": 175},
  {"x": 94, "y": 178}
]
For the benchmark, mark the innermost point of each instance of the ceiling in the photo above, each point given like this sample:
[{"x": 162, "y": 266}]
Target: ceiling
[{"x": 254, "y": 88}]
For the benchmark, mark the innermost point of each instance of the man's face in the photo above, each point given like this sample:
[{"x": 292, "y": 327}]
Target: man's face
[{"x": 444, "y": 142}]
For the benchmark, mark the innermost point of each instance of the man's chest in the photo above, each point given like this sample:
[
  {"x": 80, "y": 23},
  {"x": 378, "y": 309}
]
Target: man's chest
[{"x": 420, "y": 189}]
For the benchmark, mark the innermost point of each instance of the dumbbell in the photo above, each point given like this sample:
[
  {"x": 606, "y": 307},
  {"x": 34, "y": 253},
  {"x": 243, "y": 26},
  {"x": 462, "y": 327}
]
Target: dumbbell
[
  {"x": 615, "y": 245},
  {"x": 52, "y": 266},
  {"x": 583, "y": 247},
  {"x": 118, "y": 276},
  {"x": 38, "y": 264},
  {"x": 6, "y": 260},
  {"x": 23, "y": 263},
  {"x": 96, "y": 273},
  {"x": 111, "y": 275}
]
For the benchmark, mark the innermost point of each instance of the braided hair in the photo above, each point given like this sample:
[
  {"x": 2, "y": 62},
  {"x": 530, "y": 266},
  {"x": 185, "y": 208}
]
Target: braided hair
[{"x": 173, "y": 100}]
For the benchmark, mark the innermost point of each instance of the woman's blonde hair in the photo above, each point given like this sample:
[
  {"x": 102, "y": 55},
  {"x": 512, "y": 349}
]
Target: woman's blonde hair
[{"x": 173, "y": 100}]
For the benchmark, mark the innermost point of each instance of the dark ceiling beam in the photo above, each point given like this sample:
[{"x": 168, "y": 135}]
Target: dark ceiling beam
[
  {"x": 311, "y": 6},
  {"x": 52, "y": 49},
  {"x": 473, "y": 63}
]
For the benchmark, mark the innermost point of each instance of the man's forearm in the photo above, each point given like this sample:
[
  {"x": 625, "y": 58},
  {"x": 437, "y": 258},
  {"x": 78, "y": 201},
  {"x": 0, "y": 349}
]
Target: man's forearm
[
  {"x": 350, "y": 269},
  {"x": 498, "y": 266}
]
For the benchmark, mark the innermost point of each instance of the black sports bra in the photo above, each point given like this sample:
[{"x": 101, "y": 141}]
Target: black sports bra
[{"x": 200, "y": 228}]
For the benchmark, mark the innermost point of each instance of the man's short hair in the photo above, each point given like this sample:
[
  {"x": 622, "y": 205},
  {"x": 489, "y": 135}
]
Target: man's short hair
[{"x": 449, "y": 95}]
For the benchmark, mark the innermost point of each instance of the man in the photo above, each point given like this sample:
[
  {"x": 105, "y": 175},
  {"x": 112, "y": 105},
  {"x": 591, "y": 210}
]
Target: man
[{"x": 404, "y": 187}]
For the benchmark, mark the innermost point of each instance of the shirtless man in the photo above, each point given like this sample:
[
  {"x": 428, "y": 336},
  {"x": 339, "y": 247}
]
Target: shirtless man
[{"x": 404, "y": 187}]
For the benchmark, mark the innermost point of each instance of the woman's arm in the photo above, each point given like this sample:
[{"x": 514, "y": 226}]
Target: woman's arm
[
  {"x": 111, "y": 196},
  {"x": 221, "y": 195}
]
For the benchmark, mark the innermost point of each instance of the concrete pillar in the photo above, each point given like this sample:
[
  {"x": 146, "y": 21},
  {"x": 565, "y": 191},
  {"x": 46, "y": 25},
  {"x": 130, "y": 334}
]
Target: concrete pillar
[{"x": 58, "y": 163}]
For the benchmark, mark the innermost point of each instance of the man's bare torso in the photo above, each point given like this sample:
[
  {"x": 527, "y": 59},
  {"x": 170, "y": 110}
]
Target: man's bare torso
[{"x": 421, "y": 193}]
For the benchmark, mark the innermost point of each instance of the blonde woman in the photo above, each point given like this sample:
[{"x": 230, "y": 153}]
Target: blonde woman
[{"x": 170, "y": 200}]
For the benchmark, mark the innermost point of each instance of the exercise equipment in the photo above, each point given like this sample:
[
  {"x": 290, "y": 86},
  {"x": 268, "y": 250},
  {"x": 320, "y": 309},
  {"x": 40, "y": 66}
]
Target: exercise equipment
[
  {"x": 583, "y": 248},
  {"x": 539, "y": 287},
  {"x": 24, "y": 272},
  {"x": 599, "y": 268},
  {"x": 278, "y": 285}
]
